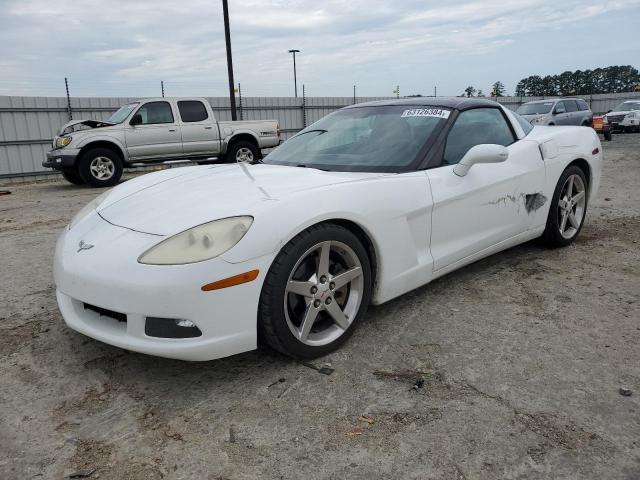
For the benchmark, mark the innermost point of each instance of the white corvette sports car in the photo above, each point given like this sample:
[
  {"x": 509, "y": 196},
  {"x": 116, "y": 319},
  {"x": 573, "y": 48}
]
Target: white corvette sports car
[{"x": 370, "y": 202}]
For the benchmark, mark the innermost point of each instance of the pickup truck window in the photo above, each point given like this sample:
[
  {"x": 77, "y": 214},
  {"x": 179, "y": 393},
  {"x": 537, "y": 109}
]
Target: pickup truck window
[
  {"x": 122, "y": 113},
  {"x": 155, "y": 112},
  {"x": 192, "y": 111}
]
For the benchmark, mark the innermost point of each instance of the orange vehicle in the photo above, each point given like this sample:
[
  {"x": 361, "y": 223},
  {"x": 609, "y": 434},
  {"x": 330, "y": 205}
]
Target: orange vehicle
[{"x": 600, "y": 125}]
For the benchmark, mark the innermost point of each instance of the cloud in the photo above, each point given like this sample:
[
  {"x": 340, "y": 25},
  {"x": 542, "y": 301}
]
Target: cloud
[{"x": 126, "y": 47}]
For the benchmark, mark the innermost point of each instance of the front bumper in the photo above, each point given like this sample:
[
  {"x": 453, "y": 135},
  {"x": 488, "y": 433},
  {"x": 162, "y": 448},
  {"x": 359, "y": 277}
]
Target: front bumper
[
  {"x": 61, "y": 158},
  {"x": 109, "y": 277}
]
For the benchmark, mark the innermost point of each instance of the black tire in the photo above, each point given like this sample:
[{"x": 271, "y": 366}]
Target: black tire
[
  {"x": 110, "y": 158},
  {"x": 72, "y": 176},
  {"x": 273, "y": 328},
  {"x": 245, "y": 149},
  {"x": 552, "y": 236}
]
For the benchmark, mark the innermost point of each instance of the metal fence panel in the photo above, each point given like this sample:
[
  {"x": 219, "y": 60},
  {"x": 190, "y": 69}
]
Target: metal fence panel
[{"x": 28, "y": 124}]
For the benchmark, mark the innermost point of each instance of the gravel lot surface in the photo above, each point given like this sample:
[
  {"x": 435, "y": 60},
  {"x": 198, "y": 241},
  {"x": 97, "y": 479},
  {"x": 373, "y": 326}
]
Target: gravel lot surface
[{"x": 517, "y": 363}]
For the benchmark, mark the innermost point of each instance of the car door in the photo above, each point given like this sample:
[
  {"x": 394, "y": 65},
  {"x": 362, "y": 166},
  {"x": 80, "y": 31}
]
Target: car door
[
  {"x": 157, "y": 135},
  {"x": 560, "y": 114},
  {"x": 573, "y": 112},
  {"x": 488, "y": 205},
  {"x": 200, "y": 135}
]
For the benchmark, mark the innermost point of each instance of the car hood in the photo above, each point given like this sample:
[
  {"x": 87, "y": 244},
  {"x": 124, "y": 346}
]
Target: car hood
[
  {"x": 173, "y": 200},
  {"x": 68, "y": 127},
  {"x": 622, "y": 112}
]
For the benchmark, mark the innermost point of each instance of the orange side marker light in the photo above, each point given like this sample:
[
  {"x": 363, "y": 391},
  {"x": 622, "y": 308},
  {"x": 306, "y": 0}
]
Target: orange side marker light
[{"x": 231, "y": 281}]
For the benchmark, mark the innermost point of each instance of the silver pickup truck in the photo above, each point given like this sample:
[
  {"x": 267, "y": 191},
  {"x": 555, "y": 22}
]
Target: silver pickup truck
[{"x": 152, "y": 131}]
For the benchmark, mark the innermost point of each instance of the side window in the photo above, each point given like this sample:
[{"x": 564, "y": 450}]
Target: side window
[
  {"x": 475, "y": 127},
  {"x": 582, "y": 105},
  {"x": 155, "y": 112},
  {"x": 526, "y": 126},
  {"x": 571, "y": 105},
  {"x": 560, "y": 106},
  {"x": 192, "y": 111}
]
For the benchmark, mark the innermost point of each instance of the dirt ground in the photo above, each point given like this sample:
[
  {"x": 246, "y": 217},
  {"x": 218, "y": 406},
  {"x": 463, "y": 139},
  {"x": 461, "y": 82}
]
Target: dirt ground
[{"x": 509, "y": 368}]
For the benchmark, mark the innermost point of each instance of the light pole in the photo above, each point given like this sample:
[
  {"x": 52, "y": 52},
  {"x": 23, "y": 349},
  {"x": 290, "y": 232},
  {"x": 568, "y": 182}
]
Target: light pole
[
  {"x": 227, "y": 37},
  {"x": 295, "y": 80}
]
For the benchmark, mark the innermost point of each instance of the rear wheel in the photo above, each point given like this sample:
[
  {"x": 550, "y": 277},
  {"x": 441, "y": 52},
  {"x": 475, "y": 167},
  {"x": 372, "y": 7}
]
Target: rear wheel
[
  {"x": 72, "y": 176},
  {"x": 100, "y": 167},
  {"x": 315, "y": 293},
  {"x": 243, "y": 152},
  {"x": 568, "y": 208}
]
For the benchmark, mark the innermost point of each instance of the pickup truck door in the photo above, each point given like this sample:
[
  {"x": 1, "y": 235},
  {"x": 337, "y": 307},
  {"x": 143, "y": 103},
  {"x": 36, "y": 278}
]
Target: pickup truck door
[
  {"x": 158, "y": 134},
  {"x": 493, "y": 202},
  {"x": 200, "y": 135}
]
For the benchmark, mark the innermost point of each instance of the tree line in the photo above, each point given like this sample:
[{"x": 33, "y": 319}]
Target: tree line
[{"x": 614, "y": 79}]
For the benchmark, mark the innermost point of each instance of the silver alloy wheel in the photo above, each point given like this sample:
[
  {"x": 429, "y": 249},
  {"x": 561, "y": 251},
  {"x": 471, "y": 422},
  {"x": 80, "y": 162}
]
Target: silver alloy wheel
[
  {"x": 323, "y": 293},
  {"x": 102, "y": 168},
  {"x": 244, "y": 154},
  {"x": 571, "y": 206}
]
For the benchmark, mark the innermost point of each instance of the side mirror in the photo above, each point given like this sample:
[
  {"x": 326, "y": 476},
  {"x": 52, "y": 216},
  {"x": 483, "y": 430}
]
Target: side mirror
[
  {"x": 559, "y": 110},
  {"x": 136, "y": 120},
  {"x": 485, "y": 153},
  {"x": 609, "y": 111}
]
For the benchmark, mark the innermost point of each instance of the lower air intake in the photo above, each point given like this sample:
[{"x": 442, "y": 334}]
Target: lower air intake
[{"x": 170, "y": 328}]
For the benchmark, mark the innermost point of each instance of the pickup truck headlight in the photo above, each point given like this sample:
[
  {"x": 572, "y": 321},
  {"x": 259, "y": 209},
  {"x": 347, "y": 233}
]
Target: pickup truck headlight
[
  {"x": 89, "y": 208},
  {"x": 197, "y": 244},
  {"x": 633, "y": 115},
  {"x": 62, "y": 142}
]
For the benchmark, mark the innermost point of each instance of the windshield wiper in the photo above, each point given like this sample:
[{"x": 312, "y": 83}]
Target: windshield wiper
[
  {"x": 302, "y": 165},
  {"x": 311, "y": 131}
]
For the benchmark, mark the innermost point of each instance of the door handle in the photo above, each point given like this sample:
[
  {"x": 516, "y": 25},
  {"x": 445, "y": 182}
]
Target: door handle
[
  {"x": 208, "y": 128},
  {"x": 172, "y": 129}
]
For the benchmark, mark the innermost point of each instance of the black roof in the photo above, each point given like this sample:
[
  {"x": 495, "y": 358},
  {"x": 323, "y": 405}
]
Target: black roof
[{"x": 458, "y": 103}]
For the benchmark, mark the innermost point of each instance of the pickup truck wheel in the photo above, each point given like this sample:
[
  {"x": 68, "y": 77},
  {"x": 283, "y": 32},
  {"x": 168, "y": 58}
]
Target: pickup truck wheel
[
  {"x": 72, "y": 176},
  {"x": 243, "y": 152},
  {"x": 100, "y": 167}
]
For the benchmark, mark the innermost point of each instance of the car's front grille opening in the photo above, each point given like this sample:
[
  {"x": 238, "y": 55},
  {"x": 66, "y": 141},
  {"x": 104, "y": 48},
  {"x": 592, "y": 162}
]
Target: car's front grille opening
[
  {"x": 104, "y": 312},
  {"x": 170, "y": 328}
]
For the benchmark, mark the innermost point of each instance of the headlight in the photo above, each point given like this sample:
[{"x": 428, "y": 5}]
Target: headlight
[
  {"x": 605, "y": 121},
  {"x": 87, "y": 209},
  {"x": 62, "y": 141},
  {"x": 197, "y": 244},
  {"x": 633, "y": 115}
]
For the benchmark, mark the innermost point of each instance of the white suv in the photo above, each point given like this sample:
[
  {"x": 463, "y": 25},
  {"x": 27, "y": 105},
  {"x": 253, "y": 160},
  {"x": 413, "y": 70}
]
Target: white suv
[{"x": 625, "y": 117}]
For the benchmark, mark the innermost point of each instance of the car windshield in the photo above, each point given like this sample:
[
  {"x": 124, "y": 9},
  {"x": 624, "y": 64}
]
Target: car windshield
[
  {"x": 122, "y": 113},
  {"x": 375, "y": 139},
  {"x": 627, "y": 107},
  {"x": 535, "y": 108}
]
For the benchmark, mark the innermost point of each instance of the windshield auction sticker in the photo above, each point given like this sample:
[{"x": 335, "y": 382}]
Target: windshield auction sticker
[{"x": 426, "y": 112}]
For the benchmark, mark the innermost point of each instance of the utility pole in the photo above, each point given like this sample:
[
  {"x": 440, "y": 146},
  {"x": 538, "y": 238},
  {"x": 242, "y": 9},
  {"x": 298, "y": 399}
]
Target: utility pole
[
  {"x": 66, "y": 86},
  {"x": 227, "y": 38},
  {"x": 162, "y": 87},
  {"x": 295, "y": 79},
  {"x": 240, "y": 100},
  {"x": 354, "y": 94},
  {"x": 435, "y": 90},
  {"x": 397, "y": 91}
]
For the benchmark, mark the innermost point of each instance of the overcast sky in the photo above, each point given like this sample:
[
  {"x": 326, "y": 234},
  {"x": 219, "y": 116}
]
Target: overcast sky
[{"x": 125, "y": 47}]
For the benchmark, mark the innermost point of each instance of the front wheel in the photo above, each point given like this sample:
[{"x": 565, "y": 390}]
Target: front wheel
[
  {"x": 568, "y": 208},
  {"x": 72, "y": 176},
  {"x": 100, "y": 167},
  {"x": 315, "y": 293}
]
